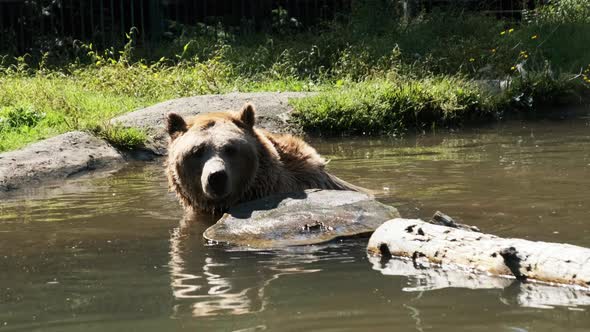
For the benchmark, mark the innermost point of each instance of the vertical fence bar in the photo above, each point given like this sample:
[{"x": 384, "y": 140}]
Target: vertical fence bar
[
  {"x": 52, "y": 28},
  {"x": 287, "y": 7},
  {"x": 62, "y": 17},
  {"x": 102, "y": 33},
  {"x": 112, "y": 12},
  {"x": 82, "y": 21},
  {"x": 155, "y": 20},
  {"x": 141, "y": 17},
  {"x": 41, "y": 23},
  {"x": 254, "y": 13},
  {"x": 9, "y": 30},
  {"x": 11, "y": 26},
  {"x": 235, "y": 12},
  {"x": 243, "y": 15},
  {"x": 122, "y": 17},
  {"x": 307, "y": 12},
  {"x": 315, "y": 11},
  {"x": 219, "y": 11},
  {"x": 23, "y": 43},
  {"x": 92, "y": 34},
  {"x": 186, "y": 11},
  {"x": 72, "y": 22},
  {"x": 132, "y": 14},
  {"x": 2, "y": 34}
]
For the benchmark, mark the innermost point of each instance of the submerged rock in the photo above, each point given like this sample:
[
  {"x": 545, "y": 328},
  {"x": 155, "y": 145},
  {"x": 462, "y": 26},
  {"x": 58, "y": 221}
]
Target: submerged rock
[{"x": 309, "y": 217}]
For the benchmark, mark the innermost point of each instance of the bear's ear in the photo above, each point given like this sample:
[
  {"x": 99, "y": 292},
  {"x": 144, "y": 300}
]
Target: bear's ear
[
  {"x": 248, "y": 115},
  {"x": 175, "y": 125}
]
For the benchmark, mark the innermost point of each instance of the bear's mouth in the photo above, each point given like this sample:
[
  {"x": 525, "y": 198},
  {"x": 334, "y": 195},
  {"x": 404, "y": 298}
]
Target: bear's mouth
[
  {"x": 219, "y": 204},
  {"x": 217, "y": 197}
]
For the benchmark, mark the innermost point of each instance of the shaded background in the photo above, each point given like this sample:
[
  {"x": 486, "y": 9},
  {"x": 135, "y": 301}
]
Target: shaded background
[{"x": 31, "y": 25}]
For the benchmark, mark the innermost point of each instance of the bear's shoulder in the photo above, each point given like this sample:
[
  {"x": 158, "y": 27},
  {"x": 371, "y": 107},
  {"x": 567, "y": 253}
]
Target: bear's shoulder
[{"x": 293, "y": 152}]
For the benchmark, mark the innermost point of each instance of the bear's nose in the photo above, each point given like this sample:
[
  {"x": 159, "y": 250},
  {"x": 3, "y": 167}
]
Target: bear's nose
[{"x": 217, "y": 182}]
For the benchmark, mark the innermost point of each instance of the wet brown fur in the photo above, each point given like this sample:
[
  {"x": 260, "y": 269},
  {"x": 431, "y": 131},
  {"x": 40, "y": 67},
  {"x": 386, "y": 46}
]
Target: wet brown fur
[{"x": 285, "y": 163}]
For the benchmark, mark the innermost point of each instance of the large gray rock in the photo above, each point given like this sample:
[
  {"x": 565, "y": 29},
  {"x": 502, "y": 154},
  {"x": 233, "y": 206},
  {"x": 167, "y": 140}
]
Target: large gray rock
[
  {"x": 309, "y": 217},
  {"x": 272, "y": 113},
  {"x": 59, "y": 157}
]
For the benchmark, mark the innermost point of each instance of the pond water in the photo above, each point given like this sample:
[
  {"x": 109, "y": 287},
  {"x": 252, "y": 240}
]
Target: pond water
[{"x": 115, "y": 254}]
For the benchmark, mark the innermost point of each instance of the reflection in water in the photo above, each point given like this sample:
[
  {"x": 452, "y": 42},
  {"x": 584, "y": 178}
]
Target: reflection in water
[
  {"x": 214, "y": 286},
  {"x": 415, "y": 313},
  {"x": 549, "y": 297},
  {"x": 129, "y": 191},
  {"x": 424, "y": 278}
]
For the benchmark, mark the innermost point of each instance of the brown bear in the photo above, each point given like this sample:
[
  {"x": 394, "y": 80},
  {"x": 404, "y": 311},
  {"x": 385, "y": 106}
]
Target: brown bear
[{"x": 217, "y": 160}]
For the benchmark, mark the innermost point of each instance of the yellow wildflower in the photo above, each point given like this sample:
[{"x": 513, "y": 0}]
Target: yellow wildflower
[
  {"x": 512, "y": 68},
  {"x": 534, "y": 37},
  {"x": 511, "y": 30},
  {"x": 502, "y": 33},
  {"x": 471, "y": 59},
  {"x": 493, "y": 50}
]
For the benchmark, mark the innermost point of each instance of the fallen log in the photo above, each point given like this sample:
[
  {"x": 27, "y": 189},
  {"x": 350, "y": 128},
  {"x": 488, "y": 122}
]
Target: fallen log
[{"x": 457, "y": 248}]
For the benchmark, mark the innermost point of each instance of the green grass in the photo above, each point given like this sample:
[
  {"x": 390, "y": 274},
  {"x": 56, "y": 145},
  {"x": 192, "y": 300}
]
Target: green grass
[
  {"x": 120, "y": 137},
  {"x": 53, "y": 104},
  {"x": 375, "y": 74},
  {"x": 390, "y": 106}
]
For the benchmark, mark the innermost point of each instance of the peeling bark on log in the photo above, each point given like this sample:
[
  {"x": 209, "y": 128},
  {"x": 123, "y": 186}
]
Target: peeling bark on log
[{"x": 479, "y": 252}]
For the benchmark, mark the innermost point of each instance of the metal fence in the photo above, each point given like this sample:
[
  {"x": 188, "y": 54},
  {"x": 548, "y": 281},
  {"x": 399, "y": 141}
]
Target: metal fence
[
  {"x": 27, "y": 25},
  {"x": 31, "y": 23}
]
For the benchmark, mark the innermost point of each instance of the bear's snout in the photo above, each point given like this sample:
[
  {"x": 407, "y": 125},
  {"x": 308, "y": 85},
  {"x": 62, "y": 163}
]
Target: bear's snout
[
  {"x": 217, "y": 183},
  {"x": 215, "y": 179}
]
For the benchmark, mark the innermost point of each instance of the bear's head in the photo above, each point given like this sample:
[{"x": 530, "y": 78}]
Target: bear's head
[{"x": 212, "y": 158}]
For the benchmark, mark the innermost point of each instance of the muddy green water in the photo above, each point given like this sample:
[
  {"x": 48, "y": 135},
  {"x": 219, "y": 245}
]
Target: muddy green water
[{"x": 113, "y": 253}]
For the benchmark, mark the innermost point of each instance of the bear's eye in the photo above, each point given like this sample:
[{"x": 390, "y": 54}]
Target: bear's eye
[
  {"x": 230, "y": 150},
  {"x": 197, "y": 151}
]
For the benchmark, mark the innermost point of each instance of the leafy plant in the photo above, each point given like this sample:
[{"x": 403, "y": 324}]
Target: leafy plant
[
  {"x": 124, "y": 138},
  {"x": 14, "y": 118}
]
